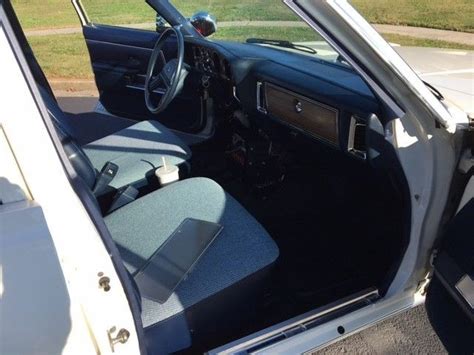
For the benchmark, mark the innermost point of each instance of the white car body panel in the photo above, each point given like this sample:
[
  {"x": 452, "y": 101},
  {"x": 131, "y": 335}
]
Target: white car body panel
[
  {"x": 37, "y": 313},
  {"x": 425, "y": 152},
  {"x": 80, "y": 250}
]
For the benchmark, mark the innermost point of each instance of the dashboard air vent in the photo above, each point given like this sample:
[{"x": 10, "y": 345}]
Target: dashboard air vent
[{"x": 356, "y": 144}]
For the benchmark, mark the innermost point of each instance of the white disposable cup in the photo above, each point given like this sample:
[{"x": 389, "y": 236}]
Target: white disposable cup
[{"x": 167, "y": 174}]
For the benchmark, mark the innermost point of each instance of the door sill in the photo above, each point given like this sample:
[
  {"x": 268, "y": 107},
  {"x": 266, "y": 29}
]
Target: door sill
[{"x": 265, "y": 338}]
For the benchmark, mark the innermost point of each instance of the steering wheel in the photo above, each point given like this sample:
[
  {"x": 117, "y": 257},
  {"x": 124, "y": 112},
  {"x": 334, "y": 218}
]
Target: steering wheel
[{"x": 169, "y": 77}]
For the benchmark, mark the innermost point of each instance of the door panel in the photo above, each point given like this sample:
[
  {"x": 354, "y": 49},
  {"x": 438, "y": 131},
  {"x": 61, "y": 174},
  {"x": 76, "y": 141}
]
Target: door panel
[
  {"x": 454, "y": 265},
  {"x": 119, "y": 58},
  {"x": 450, "y": 294}
]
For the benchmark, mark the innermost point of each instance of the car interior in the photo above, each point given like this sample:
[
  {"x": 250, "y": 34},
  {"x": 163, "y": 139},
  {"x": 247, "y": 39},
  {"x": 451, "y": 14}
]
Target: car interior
[{"x": 281, "y": 153}]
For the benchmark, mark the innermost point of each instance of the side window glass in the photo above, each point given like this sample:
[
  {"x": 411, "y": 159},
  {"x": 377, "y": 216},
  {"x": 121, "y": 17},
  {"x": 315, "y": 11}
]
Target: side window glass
[{"x": 132, "y": 14}]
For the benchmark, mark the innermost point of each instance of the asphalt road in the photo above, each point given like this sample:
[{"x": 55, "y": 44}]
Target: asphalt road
[
  {"x": 437, "y": 327},
  {"x": 407, "y": 333}
]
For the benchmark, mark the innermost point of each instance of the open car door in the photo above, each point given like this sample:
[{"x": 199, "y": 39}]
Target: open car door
[
  {"x": 450, "y": 297},
  {"x": 119, "y": 56}
]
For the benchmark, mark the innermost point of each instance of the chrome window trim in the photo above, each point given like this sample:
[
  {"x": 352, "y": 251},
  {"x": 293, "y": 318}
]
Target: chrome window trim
[{"x": 465, "y": 287}]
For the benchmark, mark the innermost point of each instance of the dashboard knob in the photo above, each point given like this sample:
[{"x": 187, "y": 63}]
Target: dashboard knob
[{"x": 298, "y": 106}]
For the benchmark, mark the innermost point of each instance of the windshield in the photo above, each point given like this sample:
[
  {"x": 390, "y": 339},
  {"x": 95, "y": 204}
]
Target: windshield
[{"x": 261, "y": 22}]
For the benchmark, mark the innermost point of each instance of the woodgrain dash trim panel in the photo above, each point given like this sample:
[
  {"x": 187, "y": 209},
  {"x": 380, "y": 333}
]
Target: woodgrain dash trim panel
[{"x": 307, "y": 115}]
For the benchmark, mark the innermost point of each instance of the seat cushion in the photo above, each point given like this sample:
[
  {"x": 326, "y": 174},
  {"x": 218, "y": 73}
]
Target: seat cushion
[
  {"x": 87, "y": 127},
  {"x": 138, "y": 151},
  {"x": 242, "y": 249}
]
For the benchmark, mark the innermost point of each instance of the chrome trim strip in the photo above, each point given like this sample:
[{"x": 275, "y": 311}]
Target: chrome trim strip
[
  {"x": 81, "y": 12},
  {"x": 234, "y": 93},
  {"x": 142, "y": 88},
  {"x": 116, "y": 44},
  {"x": 465, "y": 287}
]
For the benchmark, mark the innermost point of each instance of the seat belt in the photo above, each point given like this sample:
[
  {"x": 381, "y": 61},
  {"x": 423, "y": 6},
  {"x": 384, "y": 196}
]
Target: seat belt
[{"x": 105, "y": 177}]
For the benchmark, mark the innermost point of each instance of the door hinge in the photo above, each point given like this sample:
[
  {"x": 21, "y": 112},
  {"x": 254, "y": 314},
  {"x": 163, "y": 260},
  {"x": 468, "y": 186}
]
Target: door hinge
[
  {"x": 433, "y": 256},
  {"x": 470, "y": 117},
  {"x": 422, "y": 287},
  {"x": 120, "y": 337}
]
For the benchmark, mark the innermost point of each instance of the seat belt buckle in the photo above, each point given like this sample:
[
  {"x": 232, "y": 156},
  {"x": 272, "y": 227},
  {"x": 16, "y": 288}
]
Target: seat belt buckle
[{"x": 105, "y": 177}]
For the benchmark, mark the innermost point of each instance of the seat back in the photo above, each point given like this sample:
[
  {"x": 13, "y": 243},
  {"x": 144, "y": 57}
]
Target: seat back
[{"x": 79, "y": 160}]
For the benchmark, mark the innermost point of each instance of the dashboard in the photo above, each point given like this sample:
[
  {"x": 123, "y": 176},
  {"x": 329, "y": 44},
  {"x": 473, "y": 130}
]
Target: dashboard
[
  {"x": 325, "y": 101},
  {"x": 210, "y": 62}
]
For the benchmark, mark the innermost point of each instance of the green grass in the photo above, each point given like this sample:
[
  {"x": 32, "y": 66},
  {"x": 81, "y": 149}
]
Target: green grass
[
  {"x": 444, "y": 14},
  {"x": 234, "y": 10},
  {"x": 293, "y": 34},
  {"x": 62, "y": 56},
  {"x": 40, "y": 14},
  {"x": 455, "y": 15},
  {"x": 37, "y": 14},
  {"x": 419, "y": 42},
  {"x": 66, "y": 56}
]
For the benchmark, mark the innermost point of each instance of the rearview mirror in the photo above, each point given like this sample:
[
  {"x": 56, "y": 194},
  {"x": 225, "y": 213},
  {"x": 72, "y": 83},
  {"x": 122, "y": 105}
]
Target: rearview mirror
[{"x": 204, "y": 23}]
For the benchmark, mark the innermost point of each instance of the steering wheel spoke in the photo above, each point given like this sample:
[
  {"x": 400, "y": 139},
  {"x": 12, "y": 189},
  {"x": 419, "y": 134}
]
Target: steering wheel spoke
[
  {"x": 169, "y": 72},
  {"x": 165, "y": 80},
  {"x": 155, "y": 82},
  {"x": 161, "y": 57}
]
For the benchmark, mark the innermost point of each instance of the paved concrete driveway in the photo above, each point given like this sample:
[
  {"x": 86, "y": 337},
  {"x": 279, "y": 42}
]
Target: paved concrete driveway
[{"x": 450, "y": 71}]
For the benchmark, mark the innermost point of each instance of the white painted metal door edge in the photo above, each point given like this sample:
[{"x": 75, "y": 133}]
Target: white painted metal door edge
[{"x": 79, "y": 247}]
